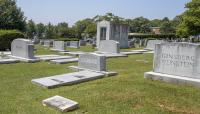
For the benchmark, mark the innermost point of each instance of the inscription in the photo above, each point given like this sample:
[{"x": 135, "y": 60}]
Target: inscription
[{"x": 177, "y": 60}]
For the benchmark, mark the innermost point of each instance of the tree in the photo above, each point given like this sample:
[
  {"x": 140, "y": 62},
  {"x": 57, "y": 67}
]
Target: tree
[
  {"x": 50, "y": 32},
  {"x": 11, "y": 17},
  {"x": 62, "y": 29},
  {"x": 40, "y": 30},
  {"x": 167, "y": 26},
  {"x": 30, "y": 29},
  {"x": 190, "y": 22},
  {"x": 139, "y": 25}
]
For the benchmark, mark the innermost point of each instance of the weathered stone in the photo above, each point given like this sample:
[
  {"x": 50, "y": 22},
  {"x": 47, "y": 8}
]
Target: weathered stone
[
  {"x": 92, "y": 61},
  {"x": 178, "y": 60},
  {"x": 60, "y": 103},
  {"x": 112, "y": 31},
  {"x": 64, "y": 61},
  {"x": 151, "y": 44},
  {"x": 74, "y": 44},
  {"x": 53, "y": 57},
  {"x": 23, "y": 49},
  {"x": 8, "y": 61},
  {"x": 109, "y": 46},
  {"x": 59, "y": 46},
  {"x": 67, "y": 79}
]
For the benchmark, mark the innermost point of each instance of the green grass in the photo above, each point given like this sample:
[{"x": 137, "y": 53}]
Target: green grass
[{"x": 127, "y": 93}]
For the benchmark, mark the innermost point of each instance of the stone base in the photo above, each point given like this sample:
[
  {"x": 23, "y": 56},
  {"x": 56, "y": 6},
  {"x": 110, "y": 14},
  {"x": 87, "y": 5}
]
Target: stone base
[
  {"x": 58, "y": 50},
  {"x": 131, "y": 53},
  {"x": 25, "y": 59},
  {"x": 52, "y": 57},
  {"x": 106, "y": 73},
  {"x": 64, "y": 61},
  {"x": 111, "y": 55},
  {"x": 75, "y": 53},
  {"x": 8, "y": 61},
  {"x": 172, "y": 79},
  {"x": 140, "y": 51}
]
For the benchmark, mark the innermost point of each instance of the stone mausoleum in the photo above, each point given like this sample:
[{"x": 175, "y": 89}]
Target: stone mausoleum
[{"x": 112, "y": 31}]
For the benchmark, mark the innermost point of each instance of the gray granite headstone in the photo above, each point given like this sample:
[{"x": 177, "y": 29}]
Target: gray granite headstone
[
  {"x": 22, "y": 48},
  {"x": 59, "y": 45},
  {"x": 60, "y": 103},
  {"x": 92, "y": 61},
  {"x": 182, "y": 59},
  {"x": 151, "y": 44},
  {"x": 82, "y": 43},
  {"x": 109, "y": 46},
  {"x": 176, "y": 63},
  {"x": 74, "y": 44}
]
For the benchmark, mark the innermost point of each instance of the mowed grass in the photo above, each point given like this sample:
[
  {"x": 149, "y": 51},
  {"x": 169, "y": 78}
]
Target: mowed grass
[{"x": 126, "y": 93}]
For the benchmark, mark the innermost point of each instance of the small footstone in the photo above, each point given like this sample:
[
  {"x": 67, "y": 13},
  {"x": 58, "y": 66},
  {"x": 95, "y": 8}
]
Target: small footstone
[{"x": 60, "y": 103}]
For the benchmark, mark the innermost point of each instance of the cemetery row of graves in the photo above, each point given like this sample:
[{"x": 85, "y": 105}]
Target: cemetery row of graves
[{"x": 74, "y": 76}]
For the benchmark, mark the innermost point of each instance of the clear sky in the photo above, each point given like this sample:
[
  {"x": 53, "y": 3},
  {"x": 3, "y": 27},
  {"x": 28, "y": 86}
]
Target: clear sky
[{"x": 70, "y": 11}]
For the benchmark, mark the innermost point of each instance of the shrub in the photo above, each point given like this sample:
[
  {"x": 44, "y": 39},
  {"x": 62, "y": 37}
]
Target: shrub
[{"x": 6, "y": 38}]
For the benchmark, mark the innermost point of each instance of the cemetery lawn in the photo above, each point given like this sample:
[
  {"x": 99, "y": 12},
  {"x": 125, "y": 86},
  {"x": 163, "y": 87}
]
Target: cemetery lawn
[{"x": 126, "y": 93}]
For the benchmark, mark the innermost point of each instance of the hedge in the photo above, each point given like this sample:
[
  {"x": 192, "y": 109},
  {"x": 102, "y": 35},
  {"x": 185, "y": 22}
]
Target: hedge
[{"x": 6, "y": 38}]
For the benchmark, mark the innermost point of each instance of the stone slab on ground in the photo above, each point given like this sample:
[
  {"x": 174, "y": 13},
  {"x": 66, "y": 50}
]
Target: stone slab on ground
[
  {"x": 111, "y": 55},
  {"x": 64, "y": 61},
  {"x": 172, "y": 79},
  {"x": 60, "y": 103},
  {"x": 58, "y": 50},
  {"x": 74, "y": 53},
  {"x": 140, "y": 50},
  {"x": 131, "y": 53},
  {"x": 48, "y": 58},
  {"x": 67, "y": 79},
  {"x": 24, "y": 59},
  {"x": 5, "y": 52},
  {"x": 8, "y": 61},
  {"x": 106, "y": 73},
  {"x": 151, "y": 52}
]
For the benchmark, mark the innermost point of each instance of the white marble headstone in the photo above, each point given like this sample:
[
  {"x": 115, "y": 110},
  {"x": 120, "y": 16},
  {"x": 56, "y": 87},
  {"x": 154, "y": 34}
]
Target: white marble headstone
[
  {"x": 22, "y": 48},
  {"x": 180, "y": 59},
  {"x": 109, "y": 46},
  {"x": 92, "y": 61}
]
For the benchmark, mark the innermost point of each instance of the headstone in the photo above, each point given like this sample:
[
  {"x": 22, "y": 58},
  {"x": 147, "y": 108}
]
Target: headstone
[
  {"x": 60, "y": 103},
  {"x": 151, "y": 44},
  {"x": 59, "y": 45},
  {"x": 112, "y": 31},
  {"x": 109, "y": 46},
  {"x": 74, "y": 44},
  {"x": 92, "y": 61},
  {"x": 22, "y": 48},
  {"x": 82, "y": 43},
  {"x": 177, "y": 61}
]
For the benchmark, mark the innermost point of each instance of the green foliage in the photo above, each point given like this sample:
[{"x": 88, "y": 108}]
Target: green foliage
[
  {"x": 67, "y": 39},
  {"x": 40, "y": 30},
  {"x": 7, "y": 36},
  {"x": 190, "y": 24},
  {"x": 50, "y": 32},
  {"x": 159, "y": 36},
  {"x": 11, "y": 17},
  {"x": 30, "y": 29},
  {"x": 62, "y": 29}
]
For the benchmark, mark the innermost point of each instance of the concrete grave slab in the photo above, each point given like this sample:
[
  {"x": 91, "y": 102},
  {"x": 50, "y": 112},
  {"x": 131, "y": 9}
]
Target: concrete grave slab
[
  {"x": 64, "y": 61},
  {"x": 74, "y": 53},
  {"x": 67, "y": 79},
  {"x": 8, "y": 61},
  {"x": 60, "y": 103},
  {"x": 48, "y": 58}
]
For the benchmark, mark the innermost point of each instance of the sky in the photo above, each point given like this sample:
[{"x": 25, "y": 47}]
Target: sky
[{"x": 70, "y": 11}]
